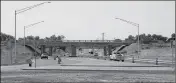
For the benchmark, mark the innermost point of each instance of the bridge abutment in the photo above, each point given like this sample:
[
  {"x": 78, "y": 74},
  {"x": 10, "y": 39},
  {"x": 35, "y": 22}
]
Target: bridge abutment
[
  {"x": 105, "y": 51},
  {"x": 109, "y": 49},
  {"x": 72, "y": 45},
  {"x": 73, "y": 51},
  {"x": 50, "y": 51},
  {"x": 43, "y": 49}
]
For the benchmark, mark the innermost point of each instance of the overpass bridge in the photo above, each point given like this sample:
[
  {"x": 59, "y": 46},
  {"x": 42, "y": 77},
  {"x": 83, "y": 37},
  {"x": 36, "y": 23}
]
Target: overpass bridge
[{"x": 74, "y": 44}]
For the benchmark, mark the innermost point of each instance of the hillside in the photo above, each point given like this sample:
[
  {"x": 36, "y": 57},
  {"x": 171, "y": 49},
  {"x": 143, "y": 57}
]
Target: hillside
[
  {"x": 152, "y": 52},
  {"x": 7, "y": 53}
]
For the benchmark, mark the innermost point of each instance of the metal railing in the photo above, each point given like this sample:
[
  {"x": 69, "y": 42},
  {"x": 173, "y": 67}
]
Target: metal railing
[
  {"x": 72, "y": 41},
  {"x": 88, "y": 41}
]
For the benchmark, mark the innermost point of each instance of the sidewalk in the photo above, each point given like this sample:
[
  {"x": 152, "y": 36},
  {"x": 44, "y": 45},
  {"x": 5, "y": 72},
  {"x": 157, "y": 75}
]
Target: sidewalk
[{"x": 78, "y": 68}]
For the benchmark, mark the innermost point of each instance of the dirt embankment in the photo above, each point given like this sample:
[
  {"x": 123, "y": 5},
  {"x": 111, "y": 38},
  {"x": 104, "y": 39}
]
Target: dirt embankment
[
  {"x": 8, "y": 55},
  {"x": 151, "y": 51}
]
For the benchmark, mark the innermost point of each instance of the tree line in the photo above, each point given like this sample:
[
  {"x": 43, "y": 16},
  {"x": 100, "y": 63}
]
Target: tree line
[
  {"x": 52, "y": 37},
  {"x": 147, "y": 38},
  {"x": 6, "y": 37},
  {"x": 144, "y": 38}
]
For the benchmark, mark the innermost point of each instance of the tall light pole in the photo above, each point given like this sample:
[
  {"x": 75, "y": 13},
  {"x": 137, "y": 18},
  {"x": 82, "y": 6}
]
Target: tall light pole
[
  {"x": 175, "y": 56},
  {"x": 25, "y": 30},
  {"x": 103, "y": 36},
  {"x": 21, "y": 11},
  {"x": 134, "y": 24},
  {"x": 34, "y": 38}
]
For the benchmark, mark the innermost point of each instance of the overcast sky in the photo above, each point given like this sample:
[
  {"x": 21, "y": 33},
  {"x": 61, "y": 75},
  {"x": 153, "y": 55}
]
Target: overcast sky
[{"x": 87, "y": 20}]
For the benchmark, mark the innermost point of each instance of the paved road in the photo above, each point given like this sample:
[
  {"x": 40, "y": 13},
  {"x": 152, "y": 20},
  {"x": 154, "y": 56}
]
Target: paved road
[
  {"x": 14, "y": 74},
  {"x": 147, "y": 61},
  {"x": 88, "y": 76}
]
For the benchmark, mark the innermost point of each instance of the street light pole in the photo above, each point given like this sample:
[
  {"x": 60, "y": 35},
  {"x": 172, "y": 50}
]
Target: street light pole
[
  {"x": 172, "y": 51},
  {"x": 21, "y": 11},
  {"x": 15, "y": 35},
  {"x": 103, "y": 36},
  {"x": 35, "y": 53},
  {"x": 25, "y": 31},
  {"x": 175, "y": 55},
  {"x": 134, "y": 24},
  {"x": 138, "y": 41},
  {"x": 24, "y": 41},
  {"x": 34, "y": 38}
]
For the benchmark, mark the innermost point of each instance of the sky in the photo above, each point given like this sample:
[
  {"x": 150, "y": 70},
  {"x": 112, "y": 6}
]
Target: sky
[{"x": 87, "y": 20}]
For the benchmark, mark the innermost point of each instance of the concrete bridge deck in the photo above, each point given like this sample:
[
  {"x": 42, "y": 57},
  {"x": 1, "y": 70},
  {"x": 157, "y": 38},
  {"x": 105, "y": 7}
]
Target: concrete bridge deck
[{"x": 74, "y": 44}]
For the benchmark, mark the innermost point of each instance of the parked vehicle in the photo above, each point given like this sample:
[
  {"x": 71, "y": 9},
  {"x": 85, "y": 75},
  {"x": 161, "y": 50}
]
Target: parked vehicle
[
  {"x": 96, "y": 54},
  {"x": 67, "y": 54},
  {"x": 117, "y": 56},
  {"x": 44, "y": 55}
]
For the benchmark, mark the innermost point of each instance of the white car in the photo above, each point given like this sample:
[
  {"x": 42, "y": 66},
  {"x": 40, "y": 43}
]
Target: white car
[
  {"x": 96, "y": 54},
  {"x": 117, "y": 57},
  {"x": 44, "y": 55},
  {"x": 67, "y": 54}
]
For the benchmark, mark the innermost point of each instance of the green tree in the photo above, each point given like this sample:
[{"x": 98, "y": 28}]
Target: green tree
[
  {"x": 53, "y": 37},
  {"x": 37, "y": 37},
  {"x": 60, "y": 37},
  {"x": 30, "y": 37},
  {"x": 117, "y": 40},
  {"x": 154, "y": 37},
  {"x": 46, "y": 38},
  {"x": 173, "y": 35},
  {"x": 6, "y": 37}
]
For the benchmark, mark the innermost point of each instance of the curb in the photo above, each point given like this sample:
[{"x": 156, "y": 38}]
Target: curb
[
  {"x": 91, "y": 70},
  {"x": 114, "y": 66},
  {"x": 109, "y": 71},
  {"x": 129, "y": 60}
]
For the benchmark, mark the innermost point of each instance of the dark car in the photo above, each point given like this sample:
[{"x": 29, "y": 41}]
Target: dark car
[{"x": 44, "y": 55}]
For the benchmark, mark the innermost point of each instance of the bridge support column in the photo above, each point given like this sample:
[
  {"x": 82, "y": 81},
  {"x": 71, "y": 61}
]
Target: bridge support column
[
  {"x": 105, "y": 52},
  {"x": 73, "y": 51},
  {"x": 42, "y": 49},
  {"x": 50, "y": 51},
  {"x": 109, "y": 49}
]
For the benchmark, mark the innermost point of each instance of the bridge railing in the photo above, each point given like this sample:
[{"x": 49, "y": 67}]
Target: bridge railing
[
  {"x": 88, "y": 41},
  {"x": 50, "y": 41}
]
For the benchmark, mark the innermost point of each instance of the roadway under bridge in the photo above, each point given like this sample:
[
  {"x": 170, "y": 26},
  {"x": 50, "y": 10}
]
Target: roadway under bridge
[{"x": 107, "y": 45}]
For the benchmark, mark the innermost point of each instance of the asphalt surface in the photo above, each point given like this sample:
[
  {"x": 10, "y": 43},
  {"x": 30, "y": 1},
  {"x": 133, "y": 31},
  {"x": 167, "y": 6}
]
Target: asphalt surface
[
  {"x": 11, "y": 74},
  {"x": 85, "y": 76}
]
